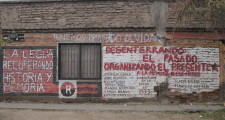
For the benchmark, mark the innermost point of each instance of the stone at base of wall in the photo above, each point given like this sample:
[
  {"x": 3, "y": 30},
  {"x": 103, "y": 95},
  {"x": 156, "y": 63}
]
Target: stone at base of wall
[
  {"x": 194, "y": 97},
  {"x": 54, "y": 99},
  {"x": 176, "y": 99}
]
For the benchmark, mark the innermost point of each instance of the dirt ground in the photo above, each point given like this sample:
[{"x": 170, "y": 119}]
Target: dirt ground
[{"x": 27, "y": 114}]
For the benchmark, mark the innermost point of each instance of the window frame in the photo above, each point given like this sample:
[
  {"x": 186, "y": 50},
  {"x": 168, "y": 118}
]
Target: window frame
[{"x": 79, "y": 78}]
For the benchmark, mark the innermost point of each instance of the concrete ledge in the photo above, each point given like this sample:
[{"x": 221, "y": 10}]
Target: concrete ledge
[
  {"x": 16, "y": 1},
  {"x": 111, "y": 107}
]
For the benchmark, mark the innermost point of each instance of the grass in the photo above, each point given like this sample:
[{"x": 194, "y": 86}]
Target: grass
[{"x": 216, "y": 115}]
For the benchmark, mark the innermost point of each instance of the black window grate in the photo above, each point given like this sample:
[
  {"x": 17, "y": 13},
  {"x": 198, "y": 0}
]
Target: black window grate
[{"x": 79, "y": 61}]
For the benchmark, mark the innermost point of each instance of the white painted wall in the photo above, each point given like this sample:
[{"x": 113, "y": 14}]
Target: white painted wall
[{"x": 124, "y": 83}]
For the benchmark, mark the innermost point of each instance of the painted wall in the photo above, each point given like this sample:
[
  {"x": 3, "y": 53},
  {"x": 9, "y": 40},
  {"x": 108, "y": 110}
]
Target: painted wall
[
  {"x": 134, "y": 64},
  {"x": 134, "y": 71},
  {"x": 195, "y": 65},
  {"x": 29, "y": 70},
  {"x": 32, "y": 71},
  {"x": 73, "y": 89}
]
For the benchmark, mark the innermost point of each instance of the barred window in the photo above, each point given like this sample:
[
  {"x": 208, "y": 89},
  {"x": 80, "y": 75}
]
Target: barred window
[{"x": 79, "y": 61}]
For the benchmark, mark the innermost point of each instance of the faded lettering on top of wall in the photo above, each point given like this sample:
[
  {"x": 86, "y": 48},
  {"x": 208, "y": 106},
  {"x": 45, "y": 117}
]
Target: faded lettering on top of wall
[
  {"x": 28, "y": 71},
  {"x": 134, "y": 71},
  {"x": 109, "y": 37}
]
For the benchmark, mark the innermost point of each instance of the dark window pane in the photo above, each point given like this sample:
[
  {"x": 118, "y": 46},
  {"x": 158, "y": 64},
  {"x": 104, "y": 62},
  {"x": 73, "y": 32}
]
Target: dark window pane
[
  {"x": 69, "y": 63},
  {"x": 90, "y": 61},
  {"x": 80, "y": 61}
]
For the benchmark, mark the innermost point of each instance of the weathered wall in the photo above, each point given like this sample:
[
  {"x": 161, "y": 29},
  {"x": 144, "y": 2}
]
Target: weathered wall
[
  {"x": 147, "y": 62},
  {"x": 137, "y": 70},
  {"x": 95, "y": 14},
  {"x": 204, "y": 96},
  {"x": 29, "y": 70},
  {"x": 104, "y": 14},
  {"x": 136, "y": 64}
]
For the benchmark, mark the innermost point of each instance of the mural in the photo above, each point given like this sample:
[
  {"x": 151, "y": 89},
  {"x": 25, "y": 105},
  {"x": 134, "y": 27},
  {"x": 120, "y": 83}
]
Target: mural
[
  {"x": 28, "y": 70},
  {"x": 31, "y": 70},
  {"x": 127, "y": 71},
  {"x": 67, "y": 89},
  {"x": 74, "y": 89},
  {"x": 134, "y": 71},
  {"x": 89, "y": 89}
]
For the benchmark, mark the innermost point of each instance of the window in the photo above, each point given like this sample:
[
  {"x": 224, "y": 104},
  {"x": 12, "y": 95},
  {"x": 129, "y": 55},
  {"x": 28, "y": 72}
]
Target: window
[{"x": 79, "y": 61}]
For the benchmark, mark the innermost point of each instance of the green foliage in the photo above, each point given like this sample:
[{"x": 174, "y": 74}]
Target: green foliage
[
  {"x": 215, "y": 115},
  {"x": 1, "y": 42},
  {"x": 208, "y": 13},
  {"x": 1, "y": 45}
]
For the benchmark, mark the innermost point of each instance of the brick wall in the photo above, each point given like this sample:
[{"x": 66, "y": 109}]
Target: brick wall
[
  {"x": 60, "y": 15},
  {"x": 52, "y": 20},
  {"x": 132, "y": 83},
  {"x": 68, "y": 14}
]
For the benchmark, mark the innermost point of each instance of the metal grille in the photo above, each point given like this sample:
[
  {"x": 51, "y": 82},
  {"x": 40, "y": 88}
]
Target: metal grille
[{"x": 80, "y": 61}]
